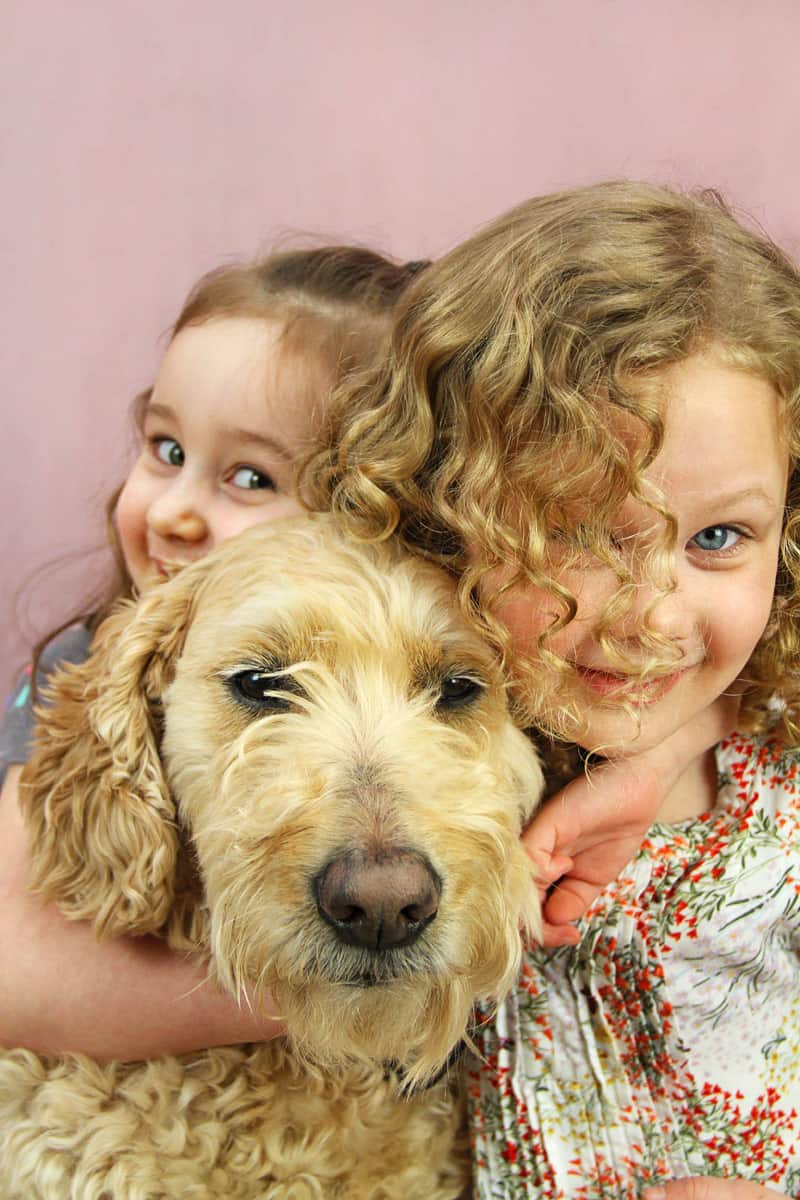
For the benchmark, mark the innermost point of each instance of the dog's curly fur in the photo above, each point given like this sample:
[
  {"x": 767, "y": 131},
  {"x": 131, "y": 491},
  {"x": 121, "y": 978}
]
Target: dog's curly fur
[{"x": 291, "y": 709}]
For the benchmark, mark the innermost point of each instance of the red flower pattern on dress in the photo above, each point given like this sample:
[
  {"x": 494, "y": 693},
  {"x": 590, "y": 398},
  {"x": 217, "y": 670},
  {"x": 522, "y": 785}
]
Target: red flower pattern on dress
[{"x": 666, "y": 1042}]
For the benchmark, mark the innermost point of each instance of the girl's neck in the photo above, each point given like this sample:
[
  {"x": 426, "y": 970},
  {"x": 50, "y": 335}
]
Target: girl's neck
[{"x": 693, "y": 793}]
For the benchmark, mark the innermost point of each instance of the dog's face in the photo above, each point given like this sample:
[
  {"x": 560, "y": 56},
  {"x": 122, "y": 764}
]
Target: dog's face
[{"x": 340, "y": 757}]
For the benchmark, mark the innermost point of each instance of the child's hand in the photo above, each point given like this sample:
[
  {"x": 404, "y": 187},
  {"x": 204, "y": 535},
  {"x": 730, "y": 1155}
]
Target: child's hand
[
  {"x": 597, "y": 822},
  {"x": 584, "y": 835},
  {"x": 709, "y": 1188}
]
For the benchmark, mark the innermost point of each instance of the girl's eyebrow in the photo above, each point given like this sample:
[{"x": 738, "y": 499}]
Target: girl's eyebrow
[
  {"x": 159, "y": 410},
  {"x": 259, "y": 439},
  {"x": 234, "y": 433},
  {"x": 749, "y": 493}
]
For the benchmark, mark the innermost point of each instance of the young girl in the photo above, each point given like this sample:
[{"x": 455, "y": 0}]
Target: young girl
[
  {"x": 591, "y": 410},
  {"x": 239, "y": 395}
]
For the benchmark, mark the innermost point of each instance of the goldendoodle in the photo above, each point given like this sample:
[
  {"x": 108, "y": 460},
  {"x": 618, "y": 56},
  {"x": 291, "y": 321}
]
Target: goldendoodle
[{"x": 295, "y": 760}]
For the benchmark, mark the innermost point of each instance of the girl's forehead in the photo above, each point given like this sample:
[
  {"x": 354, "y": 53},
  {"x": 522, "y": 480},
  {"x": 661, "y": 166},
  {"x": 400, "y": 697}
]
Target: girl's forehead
[
  {"x": 236, "y": 376},
  {"x": 234, "y": 352},
  {"x": 723, "y": 435},
  {"x": 220, "y": 350},
  {"x": 706, "y": 401}
]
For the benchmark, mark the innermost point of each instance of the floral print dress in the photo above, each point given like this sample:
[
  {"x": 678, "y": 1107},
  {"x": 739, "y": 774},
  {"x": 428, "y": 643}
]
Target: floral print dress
[{"x": 667, "y": 1043}]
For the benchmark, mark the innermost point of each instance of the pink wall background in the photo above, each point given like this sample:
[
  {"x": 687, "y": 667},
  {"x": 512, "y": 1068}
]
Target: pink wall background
[{"x": 143, "y": 144}]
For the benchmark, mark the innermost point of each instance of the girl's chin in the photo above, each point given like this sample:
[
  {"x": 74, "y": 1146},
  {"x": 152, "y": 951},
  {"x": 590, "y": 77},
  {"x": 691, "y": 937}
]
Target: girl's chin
[
  {"x": 144, "y": 577},
  {"x": 619, "y": 735},
  {"x": 153, "y": 572}
]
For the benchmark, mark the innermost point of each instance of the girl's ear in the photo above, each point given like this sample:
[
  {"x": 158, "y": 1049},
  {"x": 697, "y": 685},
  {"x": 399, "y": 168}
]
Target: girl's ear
[{"x": 101, "y": 822}]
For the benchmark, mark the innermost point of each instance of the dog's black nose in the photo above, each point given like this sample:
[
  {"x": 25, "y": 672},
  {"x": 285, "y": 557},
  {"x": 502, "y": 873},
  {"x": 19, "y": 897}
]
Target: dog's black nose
[{"x": 378, "y": 902}]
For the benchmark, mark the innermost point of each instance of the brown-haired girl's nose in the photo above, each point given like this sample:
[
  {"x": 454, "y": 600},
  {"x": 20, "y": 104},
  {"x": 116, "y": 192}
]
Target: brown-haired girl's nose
[
  {"x": 189, "y": 527},
  {"x": 175, "y": 517}
]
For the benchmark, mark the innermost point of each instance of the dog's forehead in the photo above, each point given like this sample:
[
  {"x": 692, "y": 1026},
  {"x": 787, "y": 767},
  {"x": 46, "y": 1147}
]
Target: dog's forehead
[{"x": 291, "y": 601}]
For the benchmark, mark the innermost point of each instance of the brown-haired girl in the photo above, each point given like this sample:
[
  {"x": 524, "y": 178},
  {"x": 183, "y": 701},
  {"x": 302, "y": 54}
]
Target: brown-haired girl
[
  {"x": 239, "y": 394},
  {"x": 591, "y": 412}
]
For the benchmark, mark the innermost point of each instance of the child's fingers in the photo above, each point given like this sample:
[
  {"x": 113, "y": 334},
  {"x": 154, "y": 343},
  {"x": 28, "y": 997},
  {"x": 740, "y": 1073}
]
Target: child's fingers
[
  {"x": 548, "y": 868},
  {"x": 558, "y": 935},
  {"x": 710, "y": 1188},
  {"x": 569, "y": 900}
]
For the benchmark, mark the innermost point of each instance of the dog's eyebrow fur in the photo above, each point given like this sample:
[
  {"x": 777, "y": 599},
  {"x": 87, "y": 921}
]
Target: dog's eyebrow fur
[
  {"x": 432, "y": 660},
  {"x": 258, "y": 661},
  {"x": 268, "y": 647},
  {"x": 432, "y": 677}
]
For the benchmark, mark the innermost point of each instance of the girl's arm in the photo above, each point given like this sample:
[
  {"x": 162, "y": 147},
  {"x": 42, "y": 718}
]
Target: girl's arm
[
  {"x": 130, "y": 998},
  {"x": 599, "y": 820},
  {"x": 709, "y": 1188}
]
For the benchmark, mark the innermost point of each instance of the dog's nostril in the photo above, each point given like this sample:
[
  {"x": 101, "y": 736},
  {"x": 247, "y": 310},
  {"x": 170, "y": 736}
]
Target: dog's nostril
[
  {"x": 417, "y": 912},
  {"x": 378, "y": 902}
]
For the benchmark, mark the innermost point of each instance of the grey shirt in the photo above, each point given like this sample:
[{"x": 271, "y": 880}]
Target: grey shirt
[{"x": 16, "y": 725}]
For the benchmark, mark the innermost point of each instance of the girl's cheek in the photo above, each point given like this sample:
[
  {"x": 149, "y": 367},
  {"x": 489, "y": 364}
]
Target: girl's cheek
[
  {"x": 130, "y": 517},
  {"x": 527, "y": 614},
  {"x": 244, "y": 517},
  {"x": 527, "y": 611}
]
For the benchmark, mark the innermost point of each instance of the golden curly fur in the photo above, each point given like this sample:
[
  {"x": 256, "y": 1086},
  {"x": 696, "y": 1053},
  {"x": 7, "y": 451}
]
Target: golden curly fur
[{"x": 295, "y": 760}]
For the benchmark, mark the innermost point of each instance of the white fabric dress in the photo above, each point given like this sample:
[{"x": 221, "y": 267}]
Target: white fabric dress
[{"x": 668, "y": 1042}]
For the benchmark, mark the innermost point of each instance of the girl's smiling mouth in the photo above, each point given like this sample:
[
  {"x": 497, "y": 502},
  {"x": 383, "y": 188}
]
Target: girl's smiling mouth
[
  {"x": 609, "y": 683},
  {"x": 166, "y": 567}
]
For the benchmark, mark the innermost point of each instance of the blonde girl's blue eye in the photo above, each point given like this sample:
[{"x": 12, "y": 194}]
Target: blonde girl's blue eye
[
  {"x": 250, "y": 479},
  {"x": 715, "y": 538},
  {"x": 168, "y": 451}
]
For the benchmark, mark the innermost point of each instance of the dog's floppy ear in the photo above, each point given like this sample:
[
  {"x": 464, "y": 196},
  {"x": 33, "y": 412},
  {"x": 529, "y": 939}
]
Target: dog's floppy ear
[{"x": 101, "y": 822}]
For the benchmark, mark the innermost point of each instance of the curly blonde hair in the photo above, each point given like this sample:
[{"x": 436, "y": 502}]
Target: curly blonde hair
[{"x": 511, "y": 361}]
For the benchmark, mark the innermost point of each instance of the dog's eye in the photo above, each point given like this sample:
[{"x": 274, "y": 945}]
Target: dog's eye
[
  {"x": 457, "y": 691},
  {"x": 265, "y": 690}
]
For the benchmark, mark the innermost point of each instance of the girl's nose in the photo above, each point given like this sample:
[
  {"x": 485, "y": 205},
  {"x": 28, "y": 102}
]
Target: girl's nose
[
  {"x": 667, "y": 613},
  {"x": 179, "y": 513}
]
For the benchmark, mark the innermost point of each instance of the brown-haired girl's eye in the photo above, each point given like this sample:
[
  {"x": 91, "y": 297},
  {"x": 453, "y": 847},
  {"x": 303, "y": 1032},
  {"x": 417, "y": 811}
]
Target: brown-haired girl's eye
[
  {"x": 168, "y": 451},
  {"x": 251, "y": 479}
]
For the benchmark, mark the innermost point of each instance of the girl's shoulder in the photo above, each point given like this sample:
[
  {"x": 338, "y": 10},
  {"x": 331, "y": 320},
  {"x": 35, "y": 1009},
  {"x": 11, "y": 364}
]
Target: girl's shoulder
[
  {"x": 752, "y": 767},
  {"x": 17, "y": 721},
  {"x": 70, "y": 645},
  {"x": 756, "y": 817}
]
